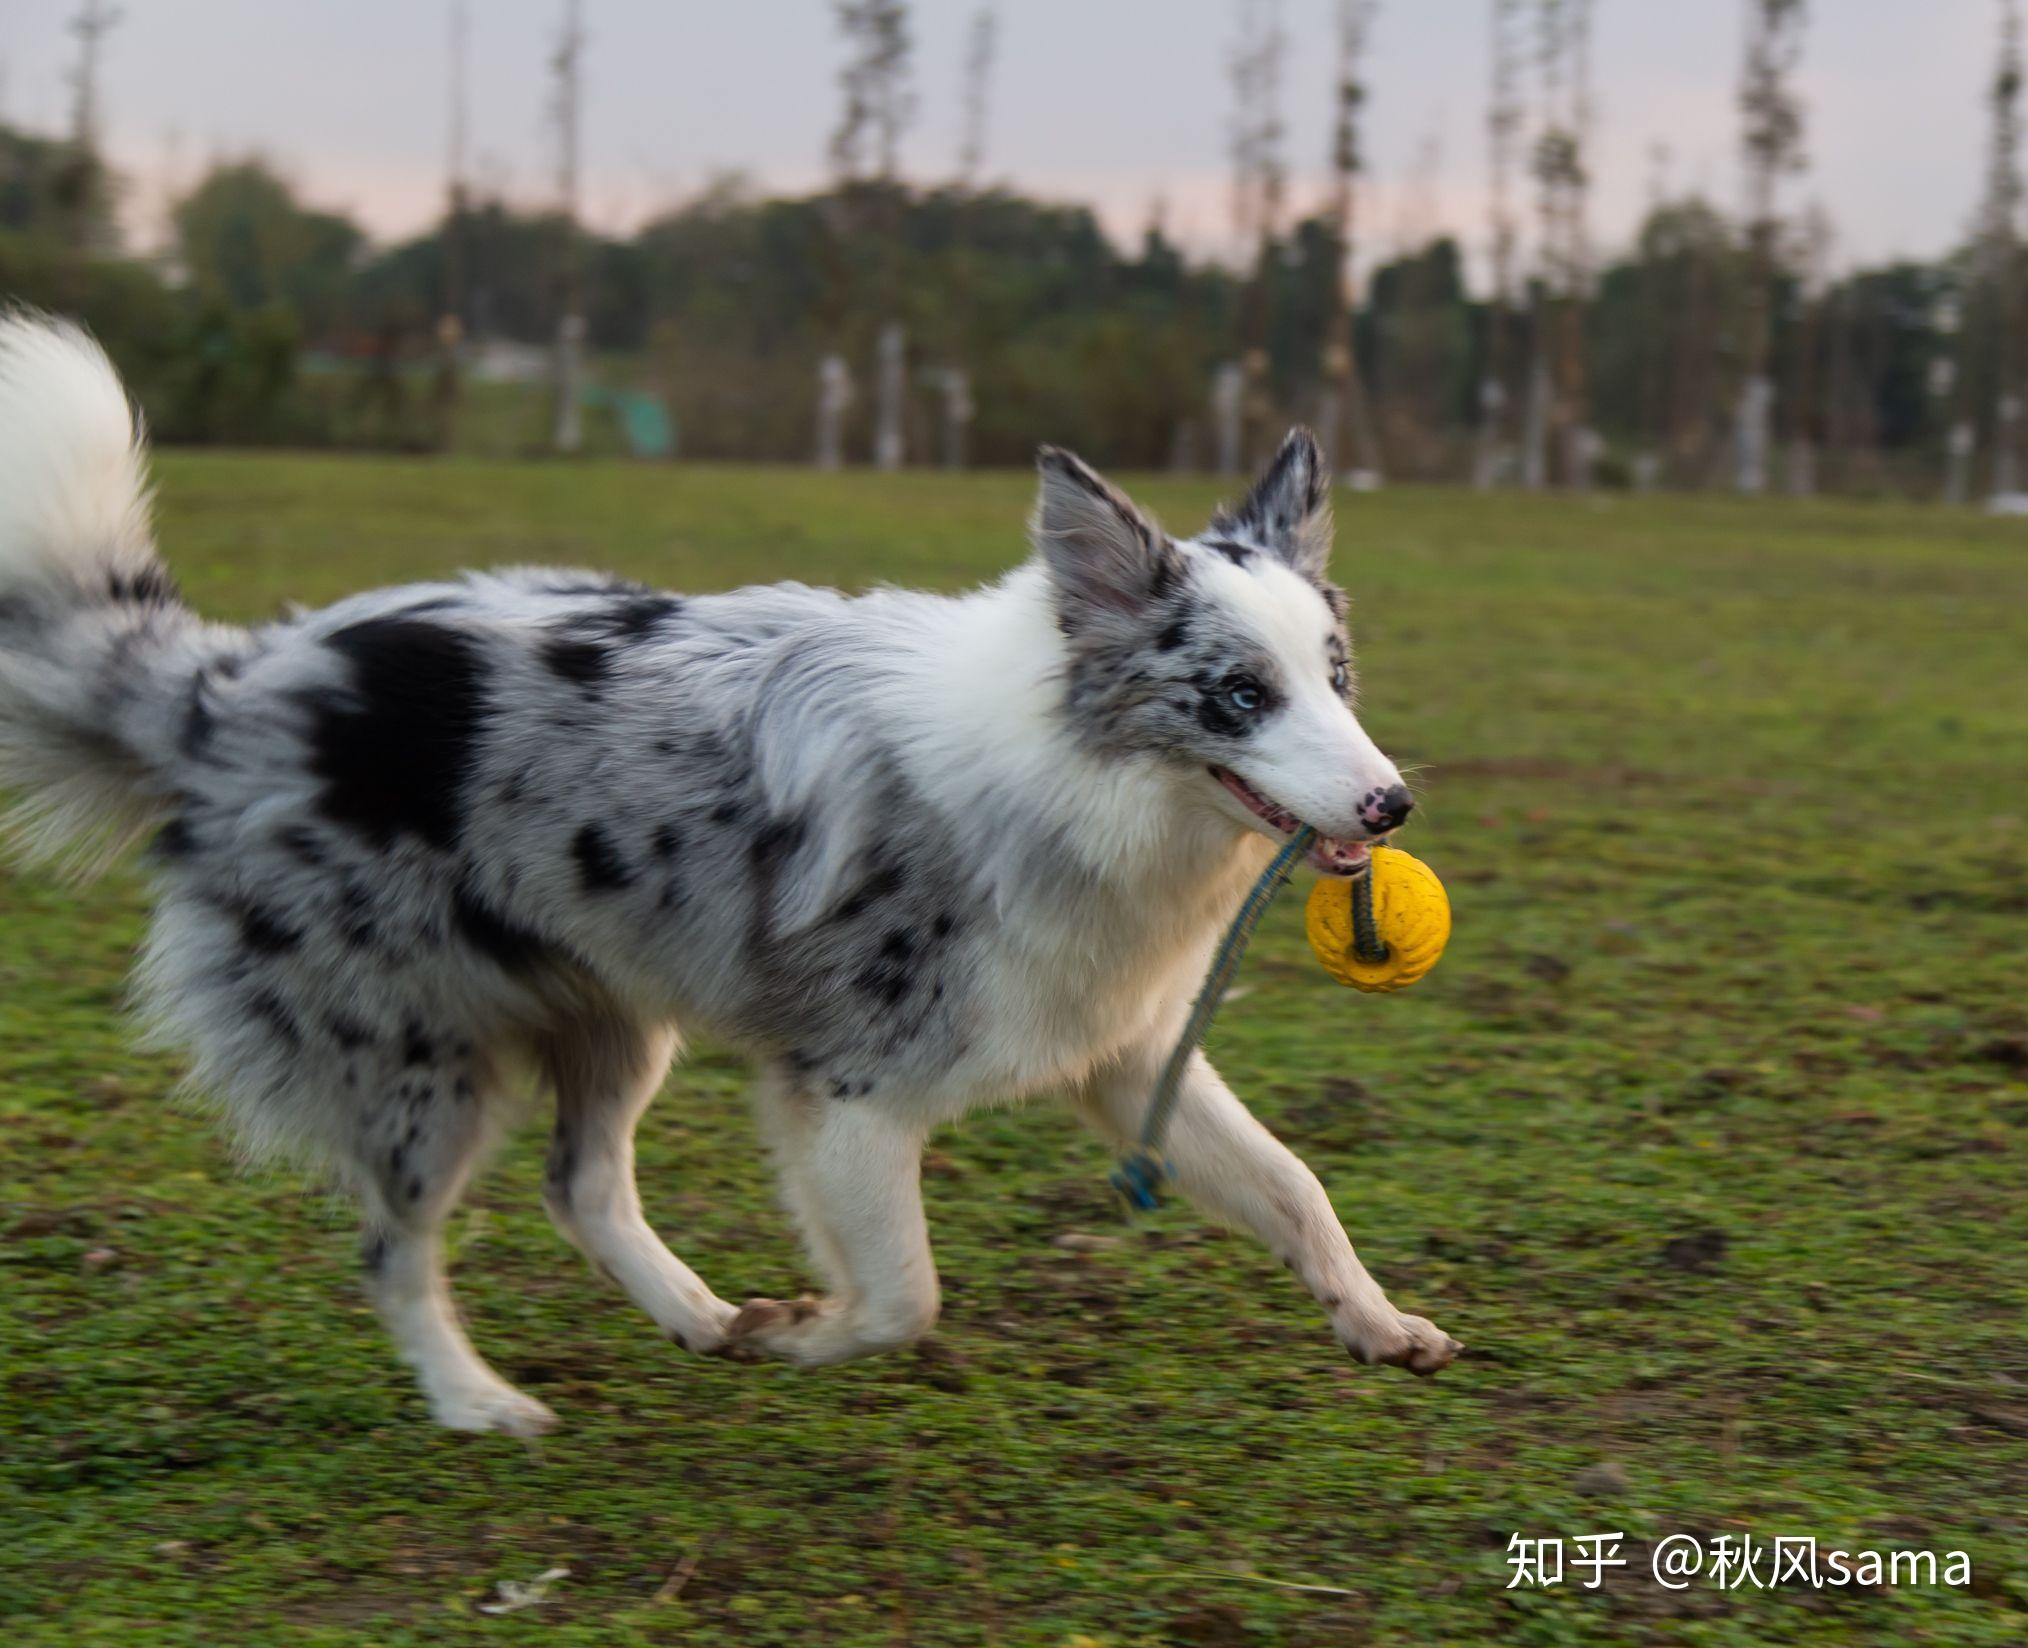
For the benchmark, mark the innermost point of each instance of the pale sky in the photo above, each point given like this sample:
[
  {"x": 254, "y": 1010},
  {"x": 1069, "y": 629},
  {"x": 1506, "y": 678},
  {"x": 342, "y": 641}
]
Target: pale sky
[{"x": 1111, "y": 102}]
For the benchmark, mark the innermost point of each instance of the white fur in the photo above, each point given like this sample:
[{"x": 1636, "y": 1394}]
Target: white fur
[
  {"x": 73, "y": 510},
  {"x": 73, "y": 476}
]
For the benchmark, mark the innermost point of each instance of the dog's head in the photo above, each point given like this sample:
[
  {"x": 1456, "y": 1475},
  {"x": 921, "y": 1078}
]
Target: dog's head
[{"x": 1222, "y": 657}]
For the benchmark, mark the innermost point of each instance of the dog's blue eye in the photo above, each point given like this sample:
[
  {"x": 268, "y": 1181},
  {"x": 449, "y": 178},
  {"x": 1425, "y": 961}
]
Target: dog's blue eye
[
  {"x": 1341, "y": 678},
  {"x": 1244, "y": 696}
]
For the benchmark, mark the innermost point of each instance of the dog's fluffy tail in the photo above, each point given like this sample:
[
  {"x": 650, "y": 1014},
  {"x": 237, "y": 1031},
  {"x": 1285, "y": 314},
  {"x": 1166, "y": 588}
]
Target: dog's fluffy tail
[{"x": 91, "y": 626}]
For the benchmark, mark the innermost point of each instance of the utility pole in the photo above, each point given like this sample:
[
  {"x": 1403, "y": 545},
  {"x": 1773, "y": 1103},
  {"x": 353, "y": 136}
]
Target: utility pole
[
  {"x": 1557, "y": 439},
  {"x": 978, "y": 81},
  {"x": 1345, "y": 404},
  {"x": 451, "y": 315},
  {"x": 1259, "y": 184},
  {"x": 1550, "y": 161},
  {"x": 1656, "y": 324},
  {"x": 1813, "y": 262},
  {"x": 2000, "y": 252},
  {"x": 1503, "y": 126},
  {"x": 93, "y": 22},
  {"x": 566, "y": 65},
  {"x": 866, "y": 155},
  {"x": 1579, "y": 442},
  {"x": 1772, "y": 136},
  {"x": 952, "y": 379}
]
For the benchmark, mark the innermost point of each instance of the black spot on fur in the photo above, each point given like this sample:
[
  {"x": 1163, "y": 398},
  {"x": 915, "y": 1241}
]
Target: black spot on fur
[
  {"x": 148, "y": 585},
  {"x": 264, "y": 933},
  {"x": 599, "y": 865},
  {"x": 509, "y": 946},
  {"x": 395, "y": 752},
  {"x": 301, "y": 844},
  {"x": 777, "y": 841},
  {"x": 416, "y": 1046},
  {"x": 636, "y": 616},
  {"x": 1174, "y": 634},
  {"x": 349, "y": 1034},
  {"x": 373, "y": 1253},
  {"x": 882, "y": 884},
  {"x": 175, "y": 840},
  {"x": 265, "y": 1004},
  {"x": 668, "y": 841},
  {"x": 585, "y": 662},
  {"x": 892, "y": 974},
  {"x": 197, "y": 721},
  {"x": 355, "y": 925},
  {"x": 1237, "y": 554}
]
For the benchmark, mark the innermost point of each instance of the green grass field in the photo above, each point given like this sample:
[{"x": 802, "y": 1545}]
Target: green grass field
[{"x": 1708, "y": 1137}]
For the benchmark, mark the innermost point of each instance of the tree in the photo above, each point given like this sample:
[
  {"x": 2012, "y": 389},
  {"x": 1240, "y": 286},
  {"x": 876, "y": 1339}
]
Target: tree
[
  {"x": 1345, "y": 404},
  {"x": 1260, "y": 182},
  {"x": 879, "y": 105},
  {"x": 246, "y": 242},
  {"x": 1503, "y": 126},
  {"x": 457, "y": 202},
  {"x": 566, "y": 104},
  {"x": 978, "y": 82},
  {"x": 1555, "y": 433},
  {"x": 1772, "y": 136},
  {"x": 84, "y": 181},
  {"x": 1989, "y": 387},
  {"x": 38, "y": 192}
]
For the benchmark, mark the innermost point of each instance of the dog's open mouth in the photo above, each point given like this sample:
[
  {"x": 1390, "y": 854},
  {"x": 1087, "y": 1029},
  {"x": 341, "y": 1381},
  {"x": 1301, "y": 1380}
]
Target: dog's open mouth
[{"x": 1327, "y": 853}]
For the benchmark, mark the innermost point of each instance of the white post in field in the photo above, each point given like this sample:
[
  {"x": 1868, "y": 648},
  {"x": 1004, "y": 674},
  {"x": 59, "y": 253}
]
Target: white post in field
[
  {"x": 834, "y": 400},
  {"x": 891, "y": 386}
]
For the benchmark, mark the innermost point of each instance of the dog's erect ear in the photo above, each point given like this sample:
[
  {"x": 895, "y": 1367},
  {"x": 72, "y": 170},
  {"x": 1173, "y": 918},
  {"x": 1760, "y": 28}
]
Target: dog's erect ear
[
  {"x": 1288, "y": 512},
  {"x": 1103, "y": 554}
]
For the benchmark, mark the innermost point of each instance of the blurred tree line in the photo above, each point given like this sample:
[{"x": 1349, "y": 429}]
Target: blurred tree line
[{"x": 272, "y": 322}]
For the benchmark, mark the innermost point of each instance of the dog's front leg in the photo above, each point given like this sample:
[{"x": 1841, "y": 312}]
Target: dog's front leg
[
  {"x": 851, "y": 1178},
  {"x": 1235, "y": 1169}
]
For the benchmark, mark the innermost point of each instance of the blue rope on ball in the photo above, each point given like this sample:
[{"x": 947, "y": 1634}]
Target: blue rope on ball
[{"x": 1143, "y": 1168}]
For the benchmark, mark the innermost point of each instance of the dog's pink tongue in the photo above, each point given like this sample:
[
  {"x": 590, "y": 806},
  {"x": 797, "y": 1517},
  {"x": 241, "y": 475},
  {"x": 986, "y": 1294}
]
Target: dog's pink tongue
[{"x": 1335, "y": 857}]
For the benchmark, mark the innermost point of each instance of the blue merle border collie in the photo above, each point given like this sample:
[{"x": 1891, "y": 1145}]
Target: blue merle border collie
[{"x": 915, "y": 853}]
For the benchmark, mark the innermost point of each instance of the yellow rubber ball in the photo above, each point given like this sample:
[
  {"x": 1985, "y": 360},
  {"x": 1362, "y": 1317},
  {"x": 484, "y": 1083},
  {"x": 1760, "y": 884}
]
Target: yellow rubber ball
[{"x": 1410, "y": 912}]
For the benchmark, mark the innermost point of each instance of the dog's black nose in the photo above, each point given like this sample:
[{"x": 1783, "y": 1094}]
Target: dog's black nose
[{"x": 1387, "y": 809}]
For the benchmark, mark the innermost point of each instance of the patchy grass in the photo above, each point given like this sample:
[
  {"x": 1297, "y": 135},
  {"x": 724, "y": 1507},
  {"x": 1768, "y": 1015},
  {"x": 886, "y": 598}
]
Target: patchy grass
[{"x": 1708, "y": 1136}]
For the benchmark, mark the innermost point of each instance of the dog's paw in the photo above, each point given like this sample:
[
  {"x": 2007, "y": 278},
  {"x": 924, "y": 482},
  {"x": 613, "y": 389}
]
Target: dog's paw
[
  {"x": 761, "y": 1327},
  {"x": 491, "y": 1408},
  {"x": 706, "y": 1333},
  {"x": 1411, "y": 1342}
]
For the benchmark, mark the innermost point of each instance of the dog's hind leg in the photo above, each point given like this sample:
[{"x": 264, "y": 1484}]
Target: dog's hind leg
[
  {"x": 415, "y": 1162},
  {"x": 605, "y": 1070},
  {"x": 851, "y": 1176}
]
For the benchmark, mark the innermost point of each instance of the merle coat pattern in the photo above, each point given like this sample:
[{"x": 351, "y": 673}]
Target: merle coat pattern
[{"x": 914, "y": 853}]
